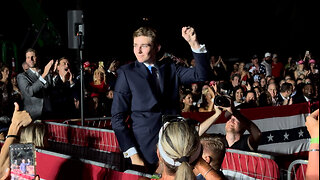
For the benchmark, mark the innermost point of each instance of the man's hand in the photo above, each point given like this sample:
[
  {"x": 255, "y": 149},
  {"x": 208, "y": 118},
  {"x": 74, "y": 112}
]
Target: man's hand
[
  {"x": 190, "y": 36},
  {"x": 136, "y": 160},
  {"x": 47, "y": 68}
]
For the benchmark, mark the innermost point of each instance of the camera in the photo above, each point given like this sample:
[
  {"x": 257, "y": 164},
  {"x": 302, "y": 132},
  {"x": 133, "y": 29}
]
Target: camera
[{"x": 221, "y": 100}]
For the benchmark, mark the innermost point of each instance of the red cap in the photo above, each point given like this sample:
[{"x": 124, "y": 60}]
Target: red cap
[{"x": 86, "y": 64}]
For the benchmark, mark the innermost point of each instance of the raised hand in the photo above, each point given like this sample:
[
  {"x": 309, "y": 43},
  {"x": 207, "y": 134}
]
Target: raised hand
[
  {"x": 21, "y": 118},
  {"x": 47, "y": 68},
  {"x": 189, "y": 34}
]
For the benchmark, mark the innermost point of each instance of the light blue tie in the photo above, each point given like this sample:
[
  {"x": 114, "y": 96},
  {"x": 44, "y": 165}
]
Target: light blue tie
[{"x": 150, "y": 68}]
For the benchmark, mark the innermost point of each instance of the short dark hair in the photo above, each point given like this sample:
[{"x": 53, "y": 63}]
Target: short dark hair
[
  {"x": 286, "y": 87},
  {"x": 32, "y": 50}
]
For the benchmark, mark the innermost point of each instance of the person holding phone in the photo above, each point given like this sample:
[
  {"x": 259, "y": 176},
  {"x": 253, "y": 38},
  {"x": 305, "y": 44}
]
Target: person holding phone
[{"x": 19, "y": 119}]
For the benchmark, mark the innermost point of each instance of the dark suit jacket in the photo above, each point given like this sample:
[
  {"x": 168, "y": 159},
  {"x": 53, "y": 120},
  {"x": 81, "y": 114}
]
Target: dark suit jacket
[
  {"x": 34, "y": 93},
  {"x": 62, "y": 99},
  {"x": 301, "y": 99},
  {"x": 134, "y": 96}
]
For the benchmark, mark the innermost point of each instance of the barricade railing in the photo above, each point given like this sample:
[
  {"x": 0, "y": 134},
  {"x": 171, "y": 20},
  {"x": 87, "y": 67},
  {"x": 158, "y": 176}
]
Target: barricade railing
[
  {"x": 52, "y": 165},
  {"x": 297, "y": 170},
  {"x": 98, "y": 122},
  {"x": 96, "y": 138},
  {"x": 239, "y": 164}
]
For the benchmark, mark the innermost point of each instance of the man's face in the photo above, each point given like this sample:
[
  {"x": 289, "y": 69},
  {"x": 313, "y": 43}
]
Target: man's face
[
  {"x": 233, "y": 125},
  {"x": 308, "y": 91},
  {"x": 235, "y": 81},
  {"x": 63, "y": 66},
  {"x": 272, "y": 90},
  {"x": 31, "y": 59},
  {"x": 289, "y": 92},
  {"x": 144, "y": 49}
]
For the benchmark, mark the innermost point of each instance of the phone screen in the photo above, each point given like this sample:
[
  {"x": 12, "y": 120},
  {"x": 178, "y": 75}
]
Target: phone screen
[{"x": 22, "y": 161}]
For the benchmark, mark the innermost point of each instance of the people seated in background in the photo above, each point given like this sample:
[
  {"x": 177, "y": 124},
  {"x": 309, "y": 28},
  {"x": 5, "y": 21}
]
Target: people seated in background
[
  {"x": 265, "y": 99},
  {"x": 186, "y": 100},
  {"x": 250, "y": 100},
  {"x": 277, "y": 67},
  {"x": 312, "y": 123},
  {"x": 195, "y": 92},
  {"x": 16, "y": 93},
  {"x": 266, "y": 61},
  {"x": 244, "y": 74},
  {"x": 208, "y": 95},
  {"x": 284, "y": 96},
  {"x": 307, "y": 94},
  {"x": 257, "y": 70},
  {"x": 6, "y": 90},
  {"x": 19, "y": 119},
  {"x": 273, "y": 90},
  {"x": 235, "y": 80},
  {"x": 98, "y": 87},
  {"x": 238, "y": 97},
  {"x": 301, "y": 70}
]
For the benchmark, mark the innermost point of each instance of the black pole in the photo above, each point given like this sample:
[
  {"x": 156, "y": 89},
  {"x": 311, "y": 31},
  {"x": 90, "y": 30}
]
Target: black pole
[{"x": 79, "y": 35}]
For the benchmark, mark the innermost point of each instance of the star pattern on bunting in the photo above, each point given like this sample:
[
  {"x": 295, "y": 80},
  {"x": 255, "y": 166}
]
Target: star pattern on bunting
[
  {"x": 300, "y": 133},
  {"x": 270, "y": 137},
  {"x": 286, "y": 136}
]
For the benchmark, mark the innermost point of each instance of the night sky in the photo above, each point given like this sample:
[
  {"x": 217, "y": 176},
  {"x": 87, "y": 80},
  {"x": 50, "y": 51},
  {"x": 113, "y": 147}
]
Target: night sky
[{"x": 230, "y": 29}]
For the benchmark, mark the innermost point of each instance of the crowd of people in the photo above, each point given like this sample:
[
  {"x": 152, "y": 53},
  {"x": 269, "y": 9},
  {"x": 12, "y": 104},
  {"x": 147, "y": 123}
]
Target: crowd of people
[{"x": 154, "y": 85}]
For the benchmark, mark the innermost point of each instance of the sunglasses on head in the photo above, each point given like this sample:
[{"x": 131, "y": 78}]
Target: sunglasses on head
[{"x": 177, "y": 118}]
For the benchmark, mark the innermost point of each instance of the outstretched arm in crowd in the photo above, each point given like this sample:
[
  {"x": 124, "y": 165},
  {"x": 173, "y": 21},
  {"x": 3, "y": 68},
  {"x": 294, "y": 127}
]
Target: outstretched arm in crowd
[
  {"x": 19, "y": 119},
  {"x": 312, "y": 124},
  {"x": 204, "y": 126}
]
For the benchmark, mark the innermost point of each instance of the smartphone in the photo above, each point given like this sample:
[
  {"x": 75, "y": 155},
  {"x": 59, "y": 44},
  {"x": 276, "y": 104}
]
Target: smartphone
[
  {"x": 307, "y": 53},
  {"x": 22, "y": 161}
]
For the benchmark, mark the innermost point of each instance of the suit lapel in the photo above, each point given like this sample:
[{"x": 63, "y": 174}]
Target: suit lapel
[{"x": 142, "y": 70}]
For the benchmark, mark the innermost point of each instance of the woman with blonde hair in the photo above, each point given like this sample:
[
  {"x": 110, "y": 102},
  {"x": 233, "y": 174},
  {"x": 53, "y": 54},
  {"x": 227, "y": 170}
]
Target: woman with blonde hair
[
  {"x": 34, "y": 133},
  {"x": 180, "y": 152},
  {"x": 99, "y": 86}
]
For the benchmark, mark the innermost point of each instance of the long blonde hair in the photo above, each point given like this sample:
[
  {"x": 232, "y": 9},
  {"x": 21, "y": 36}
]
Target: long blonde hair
[
  {"x": 34, "y": 133},
  {"x": 180, "y": 143}
]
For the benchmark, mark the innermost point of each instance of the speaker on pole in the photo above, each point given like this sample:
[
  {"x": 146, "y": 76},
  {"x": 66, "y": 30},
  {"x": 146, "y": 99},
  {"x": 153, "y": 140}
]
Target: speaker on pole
[{"x": 75, "y": 29}]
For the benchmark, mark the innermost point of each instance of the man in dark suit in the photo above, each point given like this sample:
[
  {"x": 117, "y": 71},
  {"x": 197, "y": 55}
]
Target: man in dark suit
[
  {"x": 63, "y": 92},
  {"x": 33, "y": 87},
  {"x": 284, "y": 97},
  {"x": 307, "y": 94},
  {"x": 145, "y": 98}
]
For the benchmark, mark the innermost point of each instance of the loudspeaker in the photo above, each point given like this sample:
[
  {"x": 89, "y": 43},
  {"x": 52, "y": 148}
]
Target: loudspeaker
[{"x": 75, "y": 29}]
